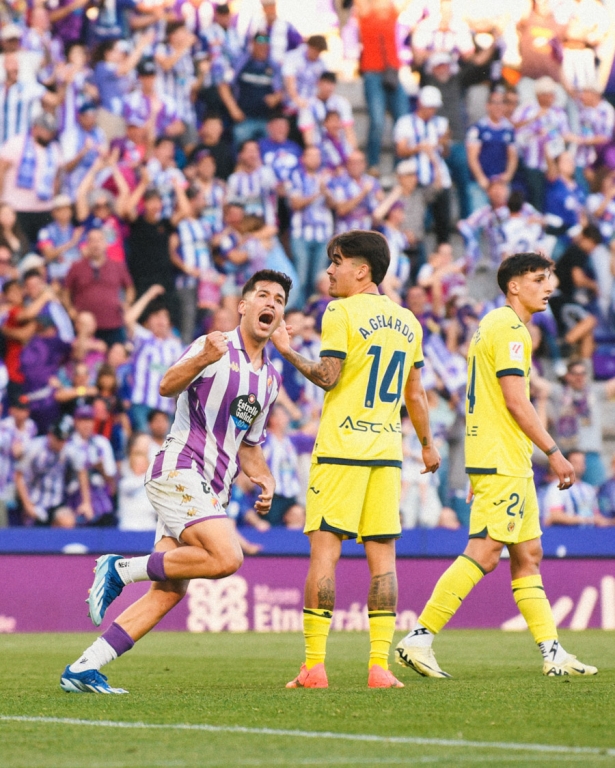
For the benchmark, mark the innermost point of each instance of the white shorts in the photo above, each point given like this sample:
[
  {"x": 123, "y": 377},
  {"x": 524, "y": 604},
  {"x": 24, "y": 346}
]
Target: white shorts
[{"x": 181, "y": 498}]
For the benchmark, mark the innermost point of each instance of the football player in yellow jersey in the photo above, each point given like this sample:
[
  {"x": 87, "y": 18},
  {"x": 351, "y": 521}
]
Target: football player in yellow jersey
[
  {"x": 501, "y": 425},
  {"x": 369, "y": 364}
]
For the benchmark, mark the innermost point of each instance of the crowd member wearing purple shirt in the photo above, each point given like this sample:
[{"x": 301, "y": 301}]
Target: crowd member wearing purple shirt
[{"x": 226, "y": 387}]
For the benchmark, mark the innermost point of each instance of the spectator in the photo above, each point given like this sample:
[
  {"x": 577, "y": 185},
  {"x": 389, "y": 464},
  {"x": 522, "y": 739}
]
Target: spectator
[
  {"x": 77, "y": 392},
  {"x": 158, "y": 425},
  {"x": 540, "y": 130},
  {"x": 575, "y": 303},
  {"x": 596, "y": 126},
  {"x": 58, "y": 241},
  {"x": 486, "y": 222},
  {"x": 312, "y": 221},
  {"x": 301, "y": 69},
  {"x": 159, "y": 113},
  {"x": 86, "y": 347},
  {"x": 114, "y": 64},
  {"x": 279, "y": 152},
  {"x": 601, "y": 205},
  {"x": 134, "y": 511},
  {"x": 20, "y": 102},
  {"x": 564, "y": 202},
  {"x": 222, "y": 42},
  {"x": 11, "y": 233},
  {"x": 39, "y": 479},
  {"x": 16, "y": 432},
  {"x": 156, "y": 349},
  {"x": 163, "y": 174},
  {"x": 75, "y": 78},
  {"x": 491, "y": 150},
  {"x": 334, "y": 146},
  {"x": 255, "y": 92},
  {"x": 326, "y": 100},
  {"x": 176, "y": 76},
  {"x": 424, "y": 135},
  {"x": 29, "y": 168},
  {"x": 540, "y": 44},
  {"x": 282, "y": 459},
  {"x": 442, "y": 32},
  {"x": 213, "y": 189},
  {"x": 67, "y": 18},
  {"x": 379, "y": 65},
  {"x": 354, "y": 195},
  {"x": 282, "y": 35},
  {"x": 253, "y": 185},
  {"x": 101, "y": 286},
  {"x": 587, "y": 26},
  {"x": 577, "y": 505},
  {"x": 7, "y": 271},
  {"x": 29, "y": 61},
  {"x": 211, "y": 138},
  {"x": 576, "y": 413},
  {"x": 90, "y": 498},
  {"x": 606, "y": 496},
  {"x": 80, "y": 148}
]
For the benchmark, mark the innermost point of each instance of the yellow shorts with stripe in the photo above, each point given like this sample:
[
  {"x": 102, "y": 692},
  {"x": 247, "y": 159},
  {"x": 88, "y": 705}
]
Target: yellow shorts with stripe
[
  {"x": 504, "y": 507},
  {"x": 356, "y": 502}
]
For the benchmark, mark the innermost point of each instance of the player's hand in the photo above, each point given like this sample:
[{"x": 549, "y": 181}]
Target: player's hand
[
  {"x": 216, "y": 346},
  {"x": 281, "y": 338},
  {"x": 267, "y": 486},
  {"x": 431, "y": 458},
  {"x": 470, "y": 495},
  {"x": 563, "y": 469}
]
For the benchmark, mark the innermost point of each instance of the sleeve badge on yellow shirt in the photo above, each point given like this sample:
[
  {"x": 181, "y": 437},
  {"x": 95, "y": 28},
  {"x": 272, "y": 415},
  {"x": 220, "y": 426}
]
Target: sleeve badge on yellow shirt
[{"x": 515, "y": 349}]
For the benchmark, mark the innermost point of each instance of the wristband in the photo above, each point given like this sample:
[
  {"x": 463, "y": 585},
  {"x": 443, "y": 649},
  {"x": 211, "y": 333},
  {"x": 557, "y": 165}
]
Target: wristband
[{"x": 553, "y": 449}]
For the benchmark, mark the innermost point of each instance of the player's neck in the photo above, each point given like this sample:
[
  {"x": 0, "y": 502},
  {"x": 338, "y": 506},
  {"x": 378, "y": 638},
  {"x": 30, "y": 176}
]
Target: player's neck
[
  {"x": 370, "y": 288},
  {"x": 522, "y": 313},
  {"x": 254, "y": 349}
]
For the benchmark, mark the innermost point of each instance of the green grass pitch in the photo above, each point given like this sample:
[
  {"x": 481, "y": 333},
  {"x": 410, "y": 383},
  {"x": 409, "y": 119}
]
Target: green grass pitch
[{"x": 498, "y": 697}]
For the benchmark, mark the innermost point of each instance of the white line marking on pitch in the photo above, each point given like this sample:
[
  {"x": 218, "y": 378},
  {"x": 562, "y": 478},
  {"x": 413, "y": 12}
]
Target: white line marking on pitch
[{"x": 416, "y": 740}]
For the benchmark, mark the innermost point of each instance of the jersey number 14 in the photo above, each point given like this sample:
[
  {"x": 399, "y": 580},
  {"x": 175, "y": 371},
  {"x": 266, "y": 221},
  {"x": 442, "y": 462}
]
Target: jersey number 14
[{"x": 393, "y": 375}]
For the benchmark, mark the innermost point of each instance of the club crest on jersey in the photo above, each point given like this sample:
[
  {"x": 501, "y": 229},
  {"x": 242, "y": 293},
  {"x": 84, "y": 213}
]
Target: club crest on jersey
[
  {"x": 515, "y": 349},
  {"x": 511, "y": 526},
  {"x": 244, "y": 410}
]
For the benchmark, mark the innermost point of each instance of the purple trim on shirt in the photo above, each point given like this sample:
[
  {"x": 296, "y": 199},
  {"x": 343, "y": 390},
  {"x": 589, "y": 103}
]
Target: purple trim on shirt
[
  {"x": 155, "y": 567},
  {"x": 202, "y": 519},
  {"x": 118, "y": 638},
  {"x": 221, "y": 424},
  {"x": 158, "y": 462},
  {"x": 198, "y": 392}
]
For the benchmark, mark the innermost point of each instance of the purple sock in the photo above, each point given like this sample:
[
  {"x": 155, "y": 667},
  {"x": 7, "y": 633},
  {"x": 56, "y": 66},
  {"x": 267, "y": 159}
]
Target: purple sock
[
  {"x": 155, "y": 567},
  {"x": 118, "y": 639}
]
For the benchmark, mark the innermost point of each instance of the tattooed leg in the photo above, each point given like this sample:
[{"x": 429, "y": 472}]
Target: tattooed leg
[{"x": 325, "y": 550}]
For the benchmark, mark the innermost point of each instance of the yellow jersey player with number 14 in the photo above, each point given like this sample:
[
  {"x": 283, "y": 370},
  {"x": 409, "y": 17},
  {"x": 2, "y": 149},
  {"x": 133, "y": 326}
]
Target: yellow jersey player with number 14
[
  {"x": 370, "y": 363},
  {"x": 501, "y": 425}
]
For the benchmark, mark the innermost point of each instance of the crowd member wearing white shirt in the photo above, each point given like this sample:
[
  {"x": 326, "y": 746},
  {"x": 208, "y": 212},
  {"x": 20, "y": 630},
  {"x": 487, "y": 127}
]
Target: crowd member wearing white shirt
[
  {"x": 425, "y": 135},
  {"x": 578, "y": 505}
]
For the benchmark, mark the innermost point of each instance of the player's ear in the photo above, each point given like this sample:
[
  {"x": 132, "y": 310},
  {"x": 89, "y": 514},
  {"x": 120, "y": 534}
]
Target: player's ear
[{"x": 241, "y": 307}]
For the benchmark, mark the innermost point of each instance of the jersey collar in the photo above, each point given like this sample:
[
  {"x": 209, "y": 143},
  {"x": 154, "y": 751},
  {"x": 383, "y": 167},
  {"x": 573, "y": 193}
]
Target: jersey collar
[{"x": 236, "y": 339}]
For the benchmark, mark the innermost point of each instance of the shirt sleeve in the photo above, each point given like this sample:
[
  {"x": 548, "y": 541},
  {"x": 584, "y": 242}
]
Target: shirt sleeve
[
  {"x": 334, "y": 332},
  {"x": 419, "y": 360},
  {"x": 510, "y": 348}
]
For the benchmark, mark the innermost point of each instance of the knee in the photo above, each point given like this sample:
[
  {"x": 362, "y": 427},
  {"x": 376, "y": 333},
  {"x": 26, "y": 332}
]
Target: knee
[
  {"x": 490, "y": 563},
  {"x": 229, "y": 562}
]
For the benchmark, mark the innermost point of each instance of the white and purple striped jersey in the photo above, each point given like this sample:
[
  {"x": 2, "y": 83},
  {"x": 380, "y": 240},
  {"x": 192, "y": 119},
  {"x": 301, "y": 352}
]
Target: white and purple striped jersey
[
  {"x": 487, "y": 223},
  {"x": 255, "y": 191},
  {"x": 137, "y": 104},
  {"x": 593, "y": 122},
  {"x": 215, "y": 197},
  {"x": 176, "y": 83},
  {"x": 343, "y": 188},
  {"x": 44, "y": 471},
  {"x": 151, "y": 359},
  {"x": 194, "y": 238},
  {"x": 283, "y": 463},
  {"x": 162, "y": 179},
  {"x": 415, "y": 131},
  {"x": 10, "y": 436},
  {"x": 544, "y": 133},
  {"x": 315, "y": 221},
  {"x": 224, "y": 46},
  {"x": 305, "y": 72},
  {"x": 311, "y": 118},
  {"x": 226, "y": 404},
  {"x": 283, "y": 37},
  {"x": 19, "y": 105}
]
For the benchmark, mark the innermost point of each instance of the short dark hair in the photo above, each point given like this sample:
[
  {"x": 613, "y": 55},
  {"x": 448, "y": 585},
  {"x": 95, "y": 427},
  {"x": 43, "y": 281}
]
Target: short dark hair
[
  {"x": 268, "y": 276},
  {"x": 8, "y": 285},
  {"x": 515, "y": 201},
  {"x": 34, "y": 272},
  {"x": 364, "y": 244},
  {"x": 163, "y": 139},
  {"x": 329, "y": 77},
  {"x": 592, "y": 232},
  {"x": 318, "y": 41},
  {"x": 520, "y": 264},
  {"x": 156, "y": 412}
]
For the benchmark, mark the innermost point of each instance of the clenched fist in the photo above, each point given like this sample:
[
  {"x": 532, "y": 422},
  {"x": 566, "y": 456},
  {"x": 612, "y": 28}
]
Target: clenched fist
[{"x": 216, "y": 346}]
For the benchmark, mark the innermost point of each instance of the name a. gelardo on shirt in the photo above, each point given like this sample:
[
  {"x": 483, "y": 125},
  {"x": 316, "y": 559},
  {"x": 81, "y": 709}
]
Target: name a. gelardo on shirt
[{"x": 382, "y": 321}]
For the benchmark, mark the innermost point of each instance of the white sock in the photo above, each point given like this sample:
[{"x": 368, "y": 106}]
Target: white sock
[
  {"x": 552, "y": 651},
  {"x": 131, "y": 569},
  {"x": 420, "y": 635},
  {"x": 94, "y": 657}
]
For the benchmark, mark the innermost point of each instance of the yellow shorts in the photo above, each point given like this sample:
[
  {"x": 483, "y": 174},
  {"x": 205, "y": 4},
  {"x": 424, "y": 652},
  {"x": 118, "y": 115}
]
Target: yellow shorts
[
  {"x": 504, "y": 507},
  {"x": 356, "y": 502}
]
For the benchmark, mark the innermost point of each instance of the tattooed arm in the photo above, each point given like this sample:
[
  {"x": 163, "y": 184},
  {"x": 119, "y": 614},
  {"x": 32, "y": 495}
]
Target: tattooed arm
[{"x": 325, "y": 373}]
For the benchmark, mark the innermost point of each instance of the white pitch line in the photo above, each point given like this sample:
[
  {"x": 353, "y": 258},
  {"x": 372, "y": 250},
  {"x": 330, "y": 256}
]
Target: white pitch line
[{"x": 415, "y": 740}]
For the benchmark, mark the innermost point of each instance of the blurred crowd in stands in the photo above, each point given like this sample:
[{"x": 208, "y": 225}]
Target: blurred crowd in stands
[{"x": 155, "y": 154}]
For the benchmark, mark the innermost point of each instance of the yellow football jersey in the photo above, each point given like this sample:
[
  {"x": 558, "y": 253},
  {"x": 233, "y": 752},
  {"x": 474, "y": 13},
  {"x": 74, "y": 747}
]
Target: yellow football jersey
[
  {"x": 495, "y": 444},
  {"x": 378, "y": 341}
]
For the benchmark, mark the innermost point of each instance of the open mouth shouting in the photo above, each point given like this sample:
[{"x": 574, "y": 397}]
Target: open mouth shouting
[{"x": 266, "y": 318}]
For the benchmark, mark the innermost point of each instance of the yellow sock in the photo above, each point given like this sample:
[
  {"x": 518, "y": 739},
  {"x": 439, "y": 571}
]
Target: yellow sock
[
  {"x": 453, "y": 586},
  {"x": 535, "y": 608},
  {"x": 381, "y": 629},
  {"x": 316, "y": 623}
]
